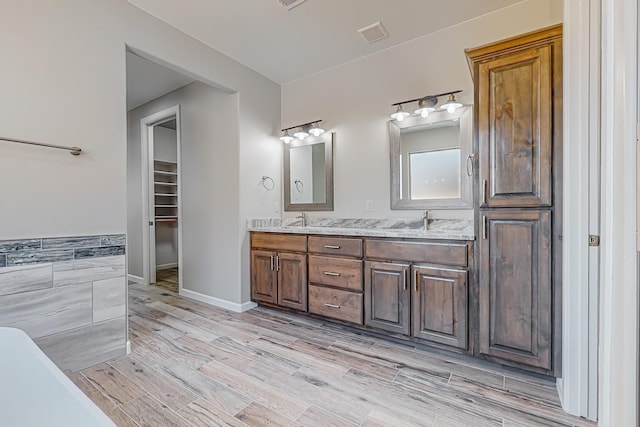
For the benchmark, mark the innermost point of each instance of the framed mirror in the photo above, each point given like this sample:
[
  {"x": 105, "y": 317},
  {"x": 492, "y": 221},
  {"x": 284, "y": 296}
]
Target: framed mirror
[
  {"x": 308, "y": 174},
  {"x": 432, "y": 161}
]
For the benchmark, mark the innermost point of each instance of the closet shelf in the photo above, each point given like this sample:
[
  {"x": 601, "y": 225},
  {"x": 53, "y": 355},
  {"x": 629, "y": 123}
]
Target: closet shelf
[
  {"x": 165, "y": 162},
  {"x": 165, "y": 183},
  {"x": 166, "y": 194},
  {"x": 166, "y": 206},
  {"x": 161, "y": 217},
  {"x": 166, "y": 173}
]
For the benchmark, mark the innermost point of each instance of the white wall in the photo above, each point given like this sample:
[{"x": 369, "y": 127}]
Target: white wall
[
  {"x": 63, "y": 68},
  {"x": 354, "y": 99}
]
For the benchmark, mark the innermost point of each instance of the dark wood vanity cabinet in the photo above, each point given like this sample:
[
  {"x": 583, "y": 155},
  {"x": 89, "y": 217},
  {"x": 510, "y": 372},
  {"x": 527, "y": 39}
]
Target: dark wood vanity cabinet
[
  {"x": 426, "y": 302},
  {"x": 387, "y": 297},
  {"x": 439, "y": 298},
  {"x": 278, "y": 274},
  {"x": 408, "y": 291},
  {"x": 516, "y": 287},
  {"x": 518, "y": 138},
  {"x": 335, "y": 278}
]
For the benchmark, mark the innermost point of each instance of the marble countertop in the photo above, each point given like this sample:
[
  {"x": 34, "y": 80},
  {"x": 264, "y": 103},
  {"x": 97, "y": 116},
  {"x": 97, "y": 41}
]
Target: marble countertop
[{"x": 444, "y": 229}]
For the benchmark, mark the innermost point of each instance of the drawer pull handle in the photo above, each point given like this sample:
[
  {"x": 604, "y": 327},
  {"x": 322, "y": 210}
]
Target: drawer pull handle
[
  {"x": 331, "y": 305},
  {"x": 331, "y": 273},
  {"x": 332, "y": 246}
]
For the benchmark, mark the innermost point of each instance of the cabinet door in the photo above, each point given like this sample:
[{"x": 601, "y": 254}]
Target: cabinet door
[
  {"x": 439, "y": 298},
  {"x": 263, "y": 276},
  {"x": 386, "y": 297},
  {"x": 515, "y": 129},
  {"x": 292, "y": 280},
  {"x": 515, "y": 286}
]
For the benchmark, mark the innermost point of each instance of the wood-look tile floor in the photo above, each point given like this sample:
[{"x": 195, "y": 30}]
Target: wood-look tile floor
[
  {"x": 167, "y": 278},
  {"x": 196, "y": 365}
]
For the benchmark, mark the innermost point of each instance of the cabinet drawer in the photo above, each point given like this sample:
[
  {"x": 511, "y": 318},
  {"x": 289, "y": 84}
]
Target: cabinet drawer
[
  {"x": 280, "y": 242},
  {"x": 339, "y": 272},
  {"x": 335, "y": 246},
  {"x": 336, "y": 303},
  {"x": 436, "y": 253}
]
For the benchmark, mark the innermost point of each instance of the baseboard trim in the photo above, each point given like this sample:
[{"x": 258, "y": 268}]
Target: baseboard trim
[
  {"x": 135, "y": 278},
  {"x": 218, "y": 302},
  {"x": 166, "y": 266},
  {"x": 128, "y": 347}
]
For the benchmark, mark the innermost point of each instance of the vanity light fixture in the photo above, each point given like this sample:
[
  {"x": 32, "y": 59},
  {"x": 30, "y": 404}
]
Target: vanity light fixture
[
  {"x": 301, "y": 134},
  {"x": 451, "y": 105},
  {"x": 426, "y": 105},
  {"x": 316, "y": 130},
  {"x": 399, "y": 114},
  {"x": 302, "y": 131},
  {"x": 286, "y": 138}
]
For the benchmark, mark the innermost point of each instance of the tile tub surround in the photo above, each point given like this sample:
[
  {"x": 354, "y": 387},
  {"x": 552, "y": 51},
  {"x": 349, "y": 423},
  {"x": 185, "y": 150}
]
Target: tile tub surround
[
  {"x": 450, "y": 229},
  {"x": 68, "y": 294}
]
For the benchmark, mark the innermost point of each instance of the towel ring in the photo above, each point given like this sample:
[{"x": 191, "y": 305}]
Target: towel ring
[
  {"x": 265, "y": 183},
  {"x": 299, "y": 185}
]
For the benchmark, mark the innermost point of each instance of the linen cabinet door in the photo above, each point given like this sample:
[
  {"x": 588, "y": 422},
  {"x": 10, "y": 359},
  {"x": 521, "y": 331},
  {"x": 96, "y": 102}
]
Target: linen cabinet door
[
  {"x": 515, "y": 287},
  {"x": 292, "y": 280},
  {"x": 515, "y": 130},
  {"x": 387, "y": 299},
  {"x": 264, "y": 276},
  {"x": 439, "y": 298}
]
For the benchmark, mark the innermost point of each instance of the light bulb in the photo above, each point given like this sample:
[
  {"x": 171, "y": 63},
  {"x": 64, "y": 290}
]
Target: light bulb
[
  {"x": 400, "y": 114},
  {"x": 451, "y": 105},
  {"x": 286, "y": 138},
  {"x": 316, "y": 130},
  {"x": 424, "y": 113},
  {"x": 301, "y": 134}
]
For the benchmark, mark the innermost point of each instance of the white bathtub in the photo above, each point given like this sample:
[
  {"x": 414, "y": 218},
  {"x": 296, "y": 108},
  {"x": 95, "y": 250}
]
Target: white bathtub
[{"x": 35, "y": 393}]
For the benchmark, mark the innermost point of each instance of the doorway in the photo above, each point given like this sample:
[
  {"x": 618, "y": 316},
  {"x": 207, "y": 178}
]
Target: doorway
[{"x": 162, "y": 242}]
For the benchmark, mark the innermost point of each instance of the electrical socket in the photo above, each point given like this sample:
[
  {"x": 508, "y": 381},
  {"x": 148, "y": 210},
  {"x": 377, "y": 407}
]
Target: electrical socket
[{"x": 369, "y": 206}]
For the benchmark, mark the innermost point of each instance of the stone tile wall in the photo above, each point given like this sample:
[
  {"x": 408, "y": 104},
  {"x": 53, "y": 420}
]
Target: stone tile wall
[{"x": 68, "y": 294}]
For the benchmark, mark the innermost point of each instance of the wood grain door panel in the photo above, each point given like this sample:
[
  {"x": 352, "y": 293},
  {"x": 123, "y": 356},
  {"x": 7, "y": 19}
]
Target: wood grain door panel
[
  {"x": 387, "y": 297},
  {"x": 263, "y": 276},
  {"x": 439, "y": 298},
  {"x": 515, "y": 130},
  {"x": 292, "y": 280},
  {"x": 515, "y": 287}
]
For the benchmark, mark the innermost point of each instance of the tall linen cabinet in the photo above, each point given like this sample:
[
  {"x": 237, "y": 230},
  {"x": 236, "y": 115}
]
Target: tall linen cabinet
[{"x": 518, "y": 141}]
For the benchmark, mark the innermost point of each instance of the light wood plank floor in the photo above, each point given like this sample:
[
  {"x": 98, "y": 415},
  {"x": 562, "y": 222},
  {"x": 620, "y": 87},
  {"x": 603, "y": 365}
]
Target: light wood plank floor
[
  {"x": 167, "y": 278},
  {"x": 196, "y": 365}
]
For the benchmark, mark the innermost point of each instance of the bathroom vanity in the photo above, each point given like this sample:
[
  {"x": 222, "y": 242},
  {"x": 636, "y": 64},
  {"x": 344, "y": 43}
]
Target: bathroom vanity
[
  {"x": 405, "y": 282},
  {"x": 497, "y": 296}
]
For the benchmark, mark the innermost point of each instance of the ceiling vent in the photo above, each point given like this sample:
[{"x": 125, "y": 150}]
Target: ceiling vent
[
  {"x": 290, "y": 4},
  {"x": 374, "y": 32}
]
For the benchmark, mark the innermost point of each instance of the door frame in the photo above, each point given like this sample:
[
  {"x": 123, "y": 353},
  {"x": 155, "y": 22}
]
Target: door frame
[{"x": 147, "y": 125}]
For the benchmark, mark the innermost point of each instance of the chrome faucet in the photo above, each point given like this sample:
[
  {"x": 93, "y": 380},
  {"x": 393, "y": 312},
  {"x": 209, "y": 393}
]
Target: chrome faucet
[
  {"x": 425, "y": 218},
  {"x": 303, "y": 217}
]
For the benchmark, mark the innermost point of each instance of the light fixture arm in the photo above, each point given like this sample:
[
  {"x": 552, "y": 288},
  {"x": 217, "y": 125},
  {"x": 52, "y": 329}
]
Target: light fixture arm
[
  {"x": 302, "y": 125},
  {"x": 427, "y": 98}
]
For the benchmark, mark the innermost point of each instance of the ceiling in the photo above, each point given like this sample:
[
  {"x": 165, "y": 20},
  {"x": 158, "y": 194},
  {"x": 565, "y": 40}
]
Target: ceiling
[{"x": 286, "y": 45}]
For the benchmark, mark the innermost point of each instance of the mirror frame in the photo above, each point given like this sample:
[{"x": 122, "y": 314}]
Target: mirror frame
[
  {"x": 467, "y": 161},
  {"x": 328, "y": 138}
]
